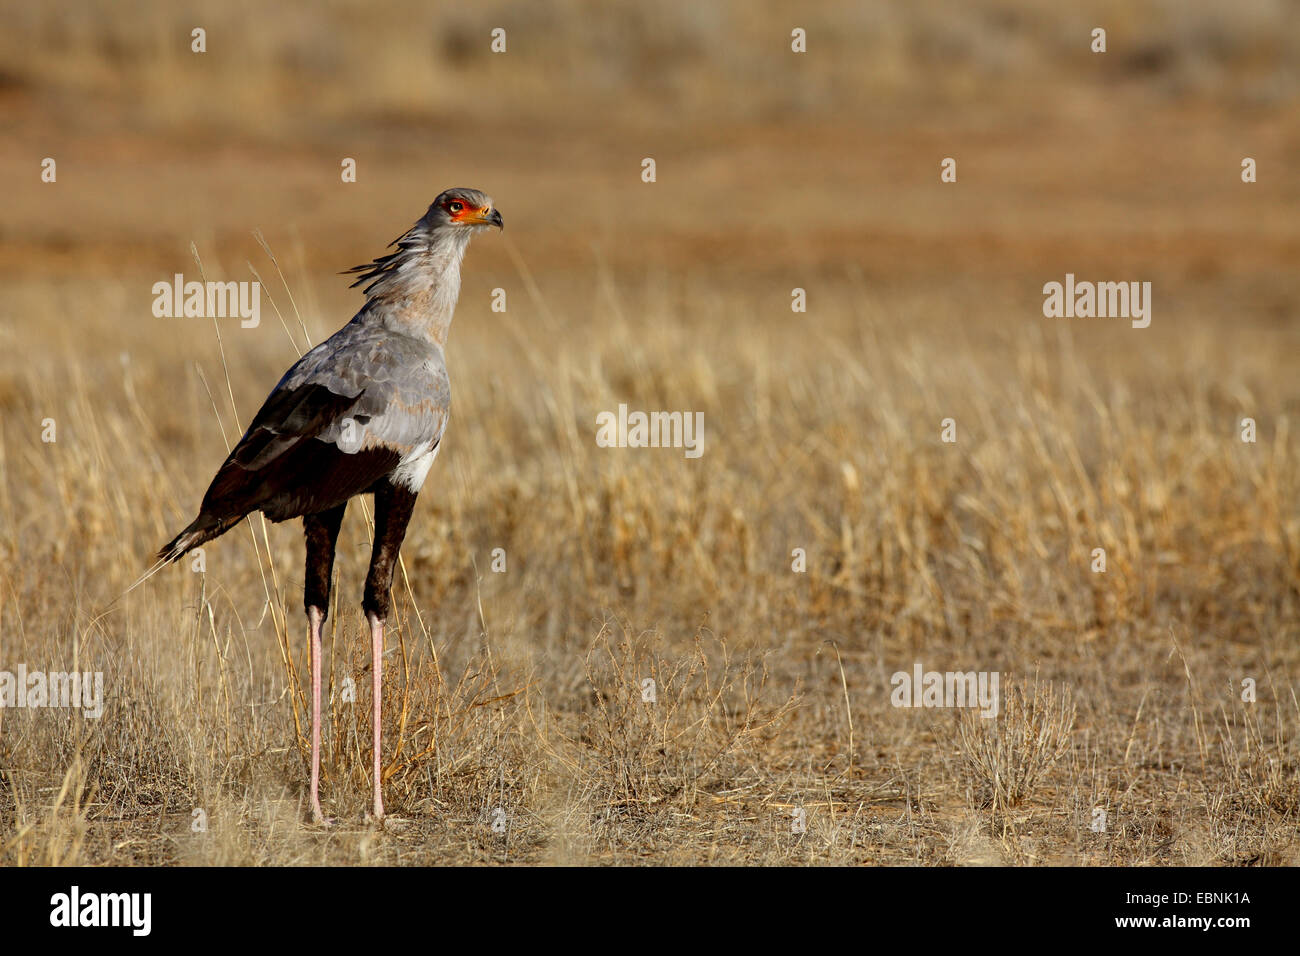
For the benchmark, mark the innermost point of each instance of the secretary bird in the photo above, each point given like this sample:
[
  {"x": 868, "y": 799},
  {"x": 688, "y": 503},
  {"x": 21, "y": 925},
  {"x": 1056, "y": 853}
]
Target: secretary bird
[{"x": 363, "y": 412}]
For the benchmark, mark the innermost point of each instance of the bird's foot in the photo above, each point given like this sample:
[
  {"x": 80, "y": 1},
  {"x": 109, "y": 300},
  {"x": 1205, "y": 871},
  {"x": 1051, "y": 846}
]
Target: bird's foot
[{"x": 319, "y": 819}]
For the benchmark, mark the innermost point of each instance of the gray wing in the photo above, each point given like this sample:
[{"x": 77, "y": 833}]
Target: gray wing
[{"x": 347, "y": 414}]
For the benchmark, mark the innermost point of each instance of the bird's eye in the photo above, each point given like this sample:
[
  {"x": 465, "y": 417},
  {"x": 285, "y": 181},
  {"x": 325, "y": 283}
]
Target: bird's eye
[{"x": 456, "y": 207}]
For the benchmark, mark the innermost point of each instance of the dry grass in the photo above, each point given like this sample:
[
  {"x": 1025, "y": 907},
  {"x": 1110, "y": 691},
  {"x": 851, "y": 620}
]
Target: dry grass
[
  {"x": 1008, "y": 755},
  {"x": 516, "y": 729},
  {"x": 522, "y": 691}
]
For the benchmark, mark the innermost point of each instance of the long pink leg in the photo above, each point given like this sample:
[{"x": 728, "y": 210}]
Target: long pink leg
[
  {"x": 315, "y": 618},
  {"x": 376, "y": 671}
]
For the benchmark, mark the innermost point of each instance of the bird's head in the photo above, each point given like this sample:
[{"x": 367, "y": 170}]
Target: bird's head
[
  {"x": 431, "y": 250},
  {"x": 466, "y": 209}
]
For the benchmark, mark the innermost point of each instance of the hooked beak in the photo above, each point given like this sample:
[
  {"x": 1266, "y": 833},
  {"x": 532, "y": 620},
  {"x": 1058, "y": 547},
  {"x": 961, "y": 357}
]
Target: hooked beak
[{"x": 493, "y": 218}]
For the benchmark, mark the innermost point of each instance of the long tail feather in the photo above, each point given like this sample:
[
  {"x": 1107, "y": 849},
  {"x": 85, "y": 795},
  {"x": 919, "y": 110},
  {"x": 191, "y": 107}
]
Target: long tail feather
[{"x": 201, "y": 529}]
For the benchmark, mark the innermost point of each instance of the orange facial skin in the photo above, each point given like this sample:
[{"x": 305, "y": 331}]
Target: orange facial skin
[{"x": 468, "y": 215}]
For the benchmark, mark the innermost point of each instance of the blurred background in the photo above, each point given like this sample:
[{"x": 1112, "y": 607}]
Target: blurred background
[{"x": 767, "y": 159}]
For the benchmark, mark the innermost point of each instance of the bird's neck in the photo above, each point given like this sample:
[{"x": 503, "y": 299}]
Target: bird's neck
[{"x": 417, "y": 292}]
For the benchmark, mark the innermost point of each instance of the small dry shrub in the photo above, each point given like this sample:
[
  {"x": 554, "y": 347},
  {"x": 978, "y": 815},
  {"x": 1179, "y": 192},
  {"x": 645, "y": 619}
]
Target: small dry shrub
[
  {"x": 1006, "y": 756},
  {"x": 1261, "y": 765}
]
